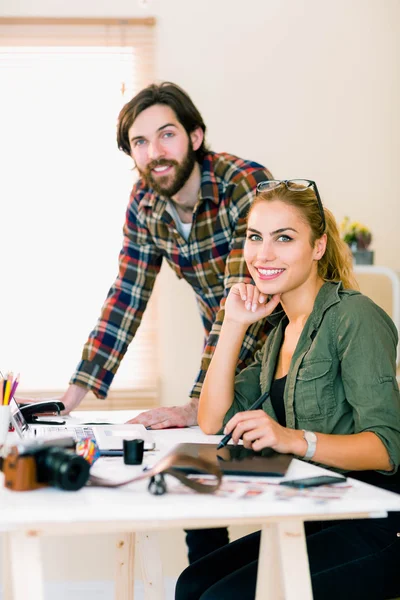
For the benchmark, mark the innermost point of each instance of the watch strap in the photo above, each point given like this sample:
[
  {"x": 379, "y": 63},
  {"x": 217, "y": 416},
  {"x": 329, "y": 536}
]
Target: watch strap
[{"x": 311, "y": 439}]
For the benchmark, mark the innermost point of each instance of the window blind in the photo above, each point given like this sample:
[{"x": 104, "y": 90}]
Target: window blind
[{"x": 65, "y": 189}]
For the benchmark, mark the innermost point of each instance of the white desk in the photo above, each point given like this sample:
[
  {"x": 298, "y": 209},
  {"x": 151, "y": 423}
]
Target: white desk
[{"x": 27, "y": 516}]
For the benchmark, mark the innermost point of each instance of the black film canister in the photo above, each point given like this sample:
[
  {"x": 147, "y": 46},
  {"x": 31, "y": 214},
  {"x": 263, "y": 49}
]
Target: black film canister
[{"x": 133, "y": 452}]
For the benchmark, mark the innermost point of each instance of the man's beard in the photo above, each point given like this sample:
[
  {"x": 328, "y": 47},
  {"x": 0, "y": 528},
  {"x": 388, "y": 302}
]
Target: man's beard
[{"x": 183, "y": 170}]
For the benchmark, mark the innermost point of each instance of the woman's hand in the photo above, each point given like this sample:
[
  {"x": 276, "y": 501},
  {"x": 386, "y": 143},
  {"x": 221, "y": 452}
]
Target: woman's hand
[
  {"x": 258, "y": 431},
  {"x": 245, "y": 304}
]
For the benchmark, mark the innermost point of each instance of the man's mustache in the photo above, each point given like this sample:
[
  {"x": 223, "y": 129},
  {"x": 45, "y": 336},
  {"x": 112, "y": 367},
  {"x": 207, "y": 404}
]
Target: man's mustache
[{"x": 162, "y": 162}]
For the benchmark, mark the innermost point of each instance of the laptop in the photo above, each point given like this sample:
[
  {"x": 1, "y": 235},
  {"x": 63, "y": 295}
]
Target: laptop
[
  {"x": 238, "y": 460},
  {"x": 109, "y": 438}
]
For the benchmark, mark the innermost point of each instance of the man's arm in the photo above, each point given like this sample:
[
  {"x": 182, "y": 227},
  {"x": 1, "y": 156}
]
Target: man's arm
[
  {"x": 139, "y": 264},
  {"x": 73, "y": 397},
  {"x": 235, "y": 272}
]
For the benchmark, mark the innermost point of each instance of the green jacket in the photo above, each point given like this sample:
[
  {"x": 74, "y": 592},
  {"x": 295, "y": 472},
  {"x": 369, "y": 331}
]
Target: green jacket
[{"x": 342, "y": 376}]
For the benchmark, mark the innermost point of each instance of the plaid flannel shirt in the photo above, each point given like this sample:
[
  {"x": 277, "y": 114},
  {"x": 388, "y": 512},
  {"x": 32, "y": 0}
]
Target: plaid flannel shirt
[{"x": 211, "y": 261}]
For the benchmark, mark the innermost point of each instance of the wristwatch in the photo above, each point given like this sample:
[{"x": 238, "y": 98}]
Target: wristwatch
[{"x": 311, "y": 439}]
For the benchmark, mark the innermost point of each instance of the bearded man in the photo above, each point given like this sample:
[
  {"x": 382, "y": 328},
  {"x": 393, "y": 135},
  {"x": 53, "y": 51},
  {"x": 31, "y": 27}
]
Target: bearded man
[{"x": 189, "y": 208}]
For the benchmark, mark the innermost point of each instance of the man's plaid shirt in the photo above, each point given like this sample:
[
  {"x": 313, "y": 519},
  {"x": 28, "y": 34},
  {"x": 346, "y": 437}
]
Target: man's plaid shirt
[{"x": 211, "y": 261}]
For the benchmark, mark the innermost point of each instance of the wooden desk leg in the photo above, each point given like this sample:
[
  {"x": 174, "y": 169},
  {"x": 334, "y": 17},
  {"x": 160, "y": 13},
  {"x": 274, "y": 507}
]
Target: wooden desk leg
[
  {"x": 283, "y": 571},
  {"x": 269, "y": 579},
  {"x": 125, "y": 566},
  {"x": 294, "y": 560},
  {"x": 150, "y": 558},
  {"x": 6, "y": 579},
  {"x": 26, "y": 566}
]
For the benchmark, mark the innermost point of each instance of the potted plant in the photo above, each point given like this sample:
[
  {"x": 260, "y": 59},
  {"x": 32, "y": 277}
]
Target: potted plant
[{"x": 359, "y": 238}]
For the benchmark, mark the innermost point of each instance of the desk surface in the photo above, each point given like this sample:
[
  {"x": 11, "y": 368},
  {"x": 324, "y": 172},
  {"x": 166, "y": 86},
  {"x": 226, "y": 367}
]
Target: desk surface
[{"x": 132, "y": 507}]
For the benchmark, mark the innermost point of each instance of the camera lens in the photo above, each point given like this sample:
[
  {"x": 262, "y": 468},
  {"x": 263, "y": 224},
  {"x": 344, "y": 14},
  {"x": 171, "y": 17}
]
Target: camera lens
[{"x": 62, "y": 468}]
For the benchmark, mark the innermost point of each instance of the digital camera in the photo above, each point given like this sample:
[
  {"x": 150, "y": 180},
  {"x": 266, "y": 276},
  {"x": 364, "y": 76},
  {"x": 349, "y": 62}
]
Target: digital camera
[{"x": 47, "y": 463}]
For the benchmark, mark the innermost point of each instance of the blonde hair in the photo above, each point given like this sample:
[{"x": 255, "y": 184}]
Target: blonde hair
[{"x": 336, "y": 264}]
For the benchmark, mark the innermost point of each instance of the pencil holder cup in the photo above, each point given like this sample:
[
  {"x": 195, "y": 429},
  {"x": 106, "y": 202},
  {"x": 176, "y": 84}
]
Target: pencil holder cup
[{"x": 4, "y": 423}]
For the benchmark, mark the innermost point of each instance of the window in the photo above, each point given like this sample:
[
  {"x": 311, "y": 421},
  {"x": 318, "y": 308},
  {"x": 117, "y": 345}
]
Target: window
[{"x": 64, "y": 190}]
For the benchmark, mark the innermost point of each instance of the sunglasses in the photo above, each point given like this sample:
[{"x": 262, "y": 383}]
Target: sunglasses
[{"x": 294, "y": 185}]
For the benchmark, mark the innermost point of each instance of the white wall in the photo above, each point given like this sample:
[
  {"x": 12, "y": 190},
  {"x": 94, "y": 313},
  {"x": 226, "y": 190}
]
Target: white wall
[{"x": 311, "y": 88}]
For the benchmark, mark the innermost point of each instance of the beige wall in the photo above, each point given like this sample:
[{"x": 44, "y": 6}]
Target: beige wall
[{"x": 310, "y": 88}]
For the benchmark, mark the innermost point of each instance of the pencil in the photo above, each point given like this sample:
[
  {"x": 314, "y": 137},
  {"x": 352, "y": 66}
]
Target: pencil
[
  {"x": 13, "y": 389},
  {"x": 7, "y": 389},
  {"x": 1, "y": 390}
]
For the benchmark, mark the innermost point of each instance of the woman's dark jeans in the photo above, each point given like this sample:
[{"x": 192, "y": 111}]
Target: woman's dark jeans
[
  {"x": 201, "y": 542},
  {"x": 349, "y": 560}
]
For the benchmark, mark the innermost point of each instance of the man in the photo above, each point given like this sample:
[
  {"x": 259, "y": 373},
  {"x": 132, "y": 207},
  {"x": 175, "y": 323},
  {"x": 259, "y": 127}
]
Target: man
[{"x": 189, "y": 207}]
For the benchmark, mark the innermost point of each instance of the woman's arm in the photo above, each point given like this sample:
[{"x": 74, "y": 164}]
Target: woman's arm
[
  {"x": 366, "y": 344},
  {"x": 217, "y": 391},
  {"x": 244, "y": 306},
  {"x": 355, "y": 452}
]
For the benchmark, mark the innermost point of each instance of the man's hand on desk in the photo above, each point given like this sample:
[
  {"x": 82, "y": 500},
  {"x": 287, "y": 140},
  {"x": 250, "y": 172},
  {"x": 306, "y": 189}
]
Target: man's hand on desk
[{"x": 169, "y": 416}]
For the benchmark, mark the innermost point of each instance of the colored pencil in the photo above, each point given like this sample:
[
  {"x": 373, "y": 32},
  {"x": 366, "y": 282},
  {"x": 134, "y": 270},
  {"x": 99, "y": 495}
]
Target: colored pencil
[
  {"x": 14, "y": 387},
  {"x": 7, "y": 389}
]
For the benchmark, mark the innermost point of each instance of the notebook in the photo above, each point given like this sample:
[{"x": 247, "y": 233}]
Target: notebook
[
  {"x": 109, "y": 438},
  {"x": 237, "y": 460}
]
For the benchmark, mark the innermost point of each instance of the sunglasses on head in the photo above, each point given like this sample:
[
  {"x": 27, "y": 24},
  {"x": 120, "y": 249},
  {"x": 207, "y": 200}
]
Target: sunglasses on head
[{"x": 294, "y": 185}]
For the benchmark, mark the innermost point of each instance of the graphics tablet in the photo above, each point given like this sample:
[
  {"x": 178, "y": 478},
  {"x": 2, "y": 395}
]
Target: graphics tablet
[{"x": 237, "y": 460}]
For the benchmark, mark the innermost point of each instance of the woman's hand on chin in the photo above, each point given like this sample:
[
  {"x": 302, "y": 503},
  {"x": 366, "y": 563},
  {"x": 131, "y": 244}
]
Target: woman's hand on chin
[{"x": 245, "y": 304}]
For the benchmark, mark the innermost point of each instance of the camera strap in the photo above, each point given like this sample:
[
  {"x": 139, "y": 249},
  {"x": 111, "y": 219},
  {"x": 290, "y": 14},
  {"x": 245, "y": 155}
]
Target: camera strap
[{"x": 174, "y": 464}]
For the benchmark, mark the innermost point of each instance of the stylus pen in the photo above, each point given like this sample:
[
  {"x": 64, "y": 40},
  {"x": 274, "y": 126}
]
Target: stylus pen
[{"x": 257, "y": 404}]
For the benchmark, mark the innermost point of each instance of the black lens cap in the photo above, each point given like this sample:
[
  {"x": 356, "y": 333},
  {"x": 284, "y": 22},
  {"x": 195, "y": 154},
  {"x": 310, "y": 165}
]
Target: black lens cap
[{"x": 133, "y": 451}]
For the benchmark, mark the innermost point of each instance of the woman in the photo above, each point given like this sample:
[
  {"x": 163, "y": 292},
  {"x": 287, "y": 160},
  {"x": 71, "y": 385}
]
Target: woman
[{"x": 329, "y": 364}]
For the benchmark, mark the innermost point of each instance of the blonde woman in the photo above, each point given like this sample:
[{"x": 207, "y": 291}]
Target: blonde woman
[{"x": 329, "y": 366}]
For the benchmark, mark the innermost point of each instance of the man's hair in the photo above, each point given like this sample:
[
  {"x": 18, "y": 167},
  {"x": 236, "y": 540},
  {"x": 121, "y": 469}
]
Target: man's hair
[{"x": 166, "y": 93}]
